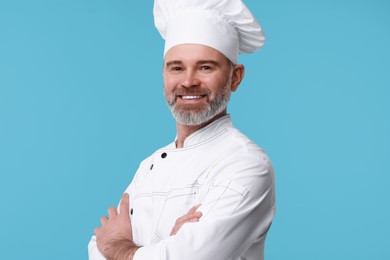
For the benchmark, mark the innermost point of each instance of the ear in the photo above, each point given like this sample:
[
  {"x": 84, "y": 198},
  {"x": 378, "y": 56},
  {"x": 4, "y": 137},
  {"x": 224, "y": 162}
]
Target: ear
[{"x": 238, "y": 75}]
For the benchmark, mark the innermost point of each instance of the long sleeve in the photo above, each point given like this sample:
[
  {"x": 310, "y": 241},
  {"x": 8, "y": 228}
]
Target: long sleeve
[
  {"x": 237, "y": 213},
  {"x": 93, "y": 251}
]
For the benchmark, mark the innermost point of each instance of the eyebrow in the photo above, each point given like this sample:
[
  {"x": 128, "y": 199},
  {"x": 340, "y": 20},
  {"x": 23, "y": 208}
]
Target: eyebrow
[
  {"x": 200, "y": 62},
  {"x": 214, "y": 62},
  {"x": 174, "y": 62}
]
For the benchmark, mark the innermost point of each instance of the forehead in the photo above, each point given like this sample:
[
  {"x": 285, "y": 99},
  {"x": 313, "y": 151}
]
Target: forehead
[{"x": 193, "y": 53}]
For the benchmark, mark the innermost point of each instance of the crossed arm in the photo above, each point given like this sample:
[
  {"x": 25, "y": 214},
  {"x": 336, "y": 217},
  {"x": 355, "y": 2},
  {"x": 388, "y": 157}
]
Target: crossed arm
[
  {"x": 114, "y": 238},
  {"x": 237, "y": 213}
]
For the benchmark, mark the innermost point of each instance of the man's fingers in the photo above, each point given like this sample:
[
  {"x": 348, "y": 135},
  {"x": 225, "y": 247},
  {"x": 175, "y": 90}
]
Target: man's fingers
[
  {"x": 191, "y": 216},
  {"x": 124, "y": 205},
  {"x": 96, "y": 231},
  {"x": 183, "y": 220},
  {"x": 112, "y": 212},
  {"x": 103, "y": 220},
  {"x": 188, "y": 217},
  {"x": 193, "y": 209}
]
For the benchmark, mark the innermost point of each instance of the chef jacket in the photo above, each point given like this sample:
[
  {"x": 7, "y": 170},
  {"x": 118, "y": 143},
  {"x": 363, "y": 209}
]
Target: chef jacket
[{"x": 221, "y": 169}]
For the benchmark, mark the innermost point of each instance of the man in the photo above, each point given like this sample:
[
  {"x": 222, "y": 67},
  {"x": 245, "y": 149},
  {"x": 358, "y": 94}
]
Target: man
[{"x": 210, "y": 193}]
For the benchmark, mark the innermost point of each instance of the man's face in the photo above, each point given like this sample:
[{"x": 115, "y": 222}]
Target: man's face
[{"x": 197, "y": 83}]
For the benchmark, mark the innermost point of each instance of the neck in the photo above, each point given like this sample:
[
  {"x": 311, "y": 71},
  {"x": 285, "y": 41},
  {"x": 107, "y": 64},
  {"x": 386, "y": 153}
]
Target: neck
[{"x": 183, "y": 131}]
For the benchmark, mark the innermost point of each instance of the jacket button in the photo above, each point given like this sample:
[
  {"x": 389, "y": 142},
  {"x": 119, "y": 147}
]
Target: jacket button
[
  {"x": 151, "y": 167},
  {"x": 163, "y": 155},
  {"x": 131, "y": 211}
]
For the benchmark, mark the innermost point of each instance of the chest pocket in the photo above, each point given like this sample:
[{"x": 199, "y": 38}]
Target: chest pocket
[{"x": 176, "y": 203}]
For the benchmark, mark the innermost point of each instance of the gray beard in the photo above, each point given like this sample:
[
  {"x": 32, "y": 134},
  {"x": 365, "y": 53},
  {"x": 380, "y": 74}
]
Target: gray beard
[{"x": 213, "y": 108}]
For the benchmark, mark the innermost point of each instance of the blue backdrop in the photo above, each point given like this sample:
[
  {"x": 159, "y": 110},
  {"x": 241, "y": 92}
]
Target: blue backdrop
[{"x": 81, "y": 104}]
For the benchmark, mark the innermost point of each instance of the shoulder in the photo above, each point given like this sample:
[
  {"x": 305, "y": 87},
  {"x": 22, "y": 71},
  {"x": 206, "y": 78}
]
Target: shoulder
[
  {"x": 246, "y": 163},
  {"x": 245, "y": 149}
]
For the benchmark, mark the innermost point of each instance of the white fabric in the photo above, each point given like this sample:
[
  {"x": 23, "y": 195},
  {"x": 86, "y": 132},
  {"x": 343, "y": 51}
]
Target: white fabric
[
  {"x": 223, "y": 170},
  {"x": 225, "y": 25}
]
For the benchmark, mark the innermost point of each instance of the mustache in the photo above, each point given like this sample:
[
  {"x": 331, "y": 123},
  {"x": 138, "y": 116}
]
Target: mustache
[{"x": 191, "y": 92}]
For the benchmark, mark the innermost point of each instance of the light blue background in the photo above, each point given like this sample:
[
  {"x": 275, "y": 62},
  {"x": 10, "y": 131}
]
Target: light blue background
[{"x": 81, "y": 105}]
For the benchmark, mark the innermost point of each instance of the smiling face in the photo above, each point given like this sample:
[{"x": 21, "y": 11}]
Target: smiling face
[{"x": 198, "y": 81}]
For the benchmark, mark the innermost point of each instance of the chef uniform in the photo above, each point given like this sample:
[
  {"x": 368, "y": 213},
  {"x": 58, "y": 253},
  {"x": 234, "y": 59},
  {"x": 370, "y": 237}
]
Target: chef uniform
[{"x": 218, "y": 167}]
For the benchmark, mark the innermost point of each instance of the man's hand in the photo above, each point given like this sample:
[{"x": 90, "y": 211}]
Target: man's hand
[
  {"x": 191, "y": 216},
  {"x": 115, "y": 239}
]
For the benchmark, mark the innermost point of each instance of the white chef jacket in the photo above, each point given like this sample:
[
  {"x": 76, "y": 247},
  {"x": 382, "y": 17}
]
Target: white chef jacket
[{"x": 218, "y": 167}]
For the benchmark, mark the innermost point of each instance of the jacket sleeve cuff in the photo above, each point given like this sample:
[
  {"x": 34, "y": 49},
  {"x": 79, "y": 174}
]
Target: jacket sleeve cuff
[
  {"x": 93, "y": 251},
  {"x": 149, "y": 252}
]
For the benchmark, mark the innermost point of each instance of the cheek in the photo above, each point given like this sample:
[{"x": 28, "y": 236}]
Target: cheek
[
  {"x": 170, "y": 84},
  {"x": 167, "y": 88},
  {"x": 215, "y": 85},
  {"x": 167, "y": 91}
]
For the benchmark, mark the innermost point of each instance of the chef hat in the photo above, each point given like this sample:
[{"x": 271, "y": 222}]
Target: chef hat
[{"x": 225, "y": 25}]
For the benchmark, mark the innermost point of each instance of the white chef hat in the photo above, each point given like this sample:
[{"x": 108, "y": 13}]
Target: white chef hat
[{"x": 225, "y": 25}]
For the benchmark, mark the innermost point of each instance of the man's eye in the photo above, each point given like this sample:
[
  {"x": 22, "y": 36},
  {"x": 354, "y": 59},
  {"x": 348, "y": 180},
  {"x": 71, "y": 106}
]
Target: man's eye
[
  {"x": 205, "y": 68},
  {"x": 176, "y": 68}
]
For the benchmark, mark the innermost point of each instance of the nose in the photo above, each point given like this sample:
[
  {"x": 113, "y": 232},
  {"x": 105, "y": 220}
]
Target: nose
[{"x": 190, "y": 79}]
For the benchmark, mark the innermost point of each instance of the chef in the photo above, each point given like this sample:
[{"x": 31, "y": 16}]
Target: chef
[{"x": 209, "y": 195}]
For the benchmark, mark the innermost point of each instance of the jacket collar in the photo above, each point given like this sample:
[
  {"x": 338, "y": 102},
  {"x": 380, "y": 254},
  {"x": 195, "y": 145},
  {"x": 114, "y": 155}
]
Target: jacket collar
[{"x": 209, "y": 131}]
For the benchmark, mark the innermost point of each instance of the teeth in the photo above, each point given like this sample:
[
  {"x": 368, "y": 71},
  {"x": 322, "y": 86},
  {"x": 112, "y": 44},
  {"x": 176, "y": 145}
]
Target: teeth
[{"x": 191, "y": 97}]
